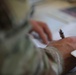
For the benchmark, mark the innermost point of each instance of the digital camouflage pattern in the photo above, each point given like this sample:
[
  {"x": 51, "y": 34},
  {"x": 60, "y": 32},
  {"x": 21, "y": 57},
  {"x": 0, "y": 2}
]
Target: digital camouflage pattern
[{"x": 18, "y": 55}]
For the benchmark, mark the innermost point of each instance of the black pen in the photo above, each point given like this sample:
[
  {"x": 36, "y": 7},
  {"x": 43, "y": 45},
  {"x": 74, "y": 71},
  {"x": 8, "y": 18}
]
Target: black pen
[{"x": 61, "y": 34}]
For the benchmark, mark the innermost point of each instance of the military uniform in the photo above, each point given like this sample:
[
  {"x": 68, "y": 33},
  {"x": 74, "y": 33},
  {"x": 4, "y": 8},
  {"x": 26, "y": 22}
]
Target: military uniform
[{"x": 18, "y": 55}]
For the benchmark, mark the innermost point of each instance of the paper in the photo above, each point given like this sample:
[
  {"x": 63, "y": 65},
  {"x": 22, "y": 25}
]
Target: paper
[
  {"x": 73, "y": 53},
  {"x": 53, "y": 24},
  {"x": 38, "y": 43},
  {"x": 69, "y": 30}
]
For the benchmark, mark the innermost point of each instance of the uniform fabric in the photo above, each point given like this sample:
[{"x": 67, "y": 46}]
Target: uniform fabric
[{"x": 18, "y": 55}]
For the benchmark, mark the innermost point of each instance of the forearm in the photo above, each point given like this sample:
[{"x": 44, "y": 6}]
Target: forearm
[{"x": 69, "y": 60}]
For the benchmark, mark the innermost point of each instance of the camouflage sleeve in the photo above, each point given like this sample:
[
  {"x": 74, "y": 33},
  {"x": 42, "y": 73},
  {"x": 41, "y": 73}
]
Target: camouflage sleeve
[
  {"x": 25, "y": 59},
  {"x": 72, "y": 73},
  {"x": 18, "y": 55}
]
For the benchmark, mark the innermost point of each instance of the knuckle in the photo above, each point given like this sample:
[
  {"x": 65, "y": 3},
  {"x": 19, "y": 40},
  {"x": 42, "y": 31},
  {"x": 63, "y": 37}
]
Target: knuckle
[{"x": 70, "y": 40}]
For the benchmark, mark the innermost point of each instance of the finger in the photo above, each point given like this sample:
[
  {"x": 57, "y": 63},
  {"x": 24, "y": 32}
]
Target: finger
[
  {"x": 40, "y": 31},
  {"x": 43, "y": 36},
  {"x": 71, "y": 41},
  {"x": 46, "y": 30}
]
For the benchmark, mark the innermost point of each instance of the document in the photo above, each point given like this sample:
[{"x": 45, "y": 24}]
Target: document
[{"x": 69, "y": 29}]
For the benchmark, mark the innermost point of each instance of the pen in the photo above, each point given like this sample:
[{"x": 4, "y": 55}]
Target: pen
[{"x": 61, "y": 34}]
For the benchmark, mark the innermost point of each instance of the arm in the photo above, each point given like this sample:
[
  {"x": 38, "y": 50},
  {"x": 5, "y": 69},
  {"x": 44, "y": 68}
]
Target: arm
[
  {"x": 21, "y": 57},
  {"x": 65, "y": 47},
  {"x": 25, "y": 59}
]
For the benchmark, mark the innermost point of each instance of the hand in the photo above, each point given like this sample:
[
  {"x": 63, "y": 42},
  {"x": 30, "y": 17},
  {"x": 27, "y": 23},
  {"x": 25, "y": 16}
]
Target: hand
[
  {"x": 65, "y": 47},
  {"x": 42, "y": 29}
]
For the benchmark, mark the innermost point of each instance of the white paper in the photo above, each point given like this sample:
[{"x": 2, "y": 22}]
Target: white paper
[
  {"x": 53, "y": 24},
  {"x": 73, "y": 53},
  {"x": 69, "y": 30}
]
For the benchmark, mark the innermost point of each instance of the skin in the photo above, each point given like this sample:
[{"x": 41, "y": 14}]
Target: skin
[
  {"x": 42, "y": 29},
  {"x": 65, "y": 47}
]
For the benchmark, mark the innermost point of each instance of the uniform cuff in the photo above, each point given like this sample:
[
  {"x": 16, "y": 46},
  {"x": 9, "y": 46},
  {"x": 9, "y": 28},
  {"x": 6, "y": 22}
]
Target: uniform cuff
[{"x": 56, "y": 57}]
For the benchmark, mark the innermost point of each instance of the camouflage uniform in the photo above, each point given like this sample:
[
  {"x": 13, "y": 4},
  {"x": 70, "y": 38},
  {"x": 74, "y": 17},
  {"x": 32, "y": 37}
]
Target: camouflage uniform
[{"x": 18, "y": 55}]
